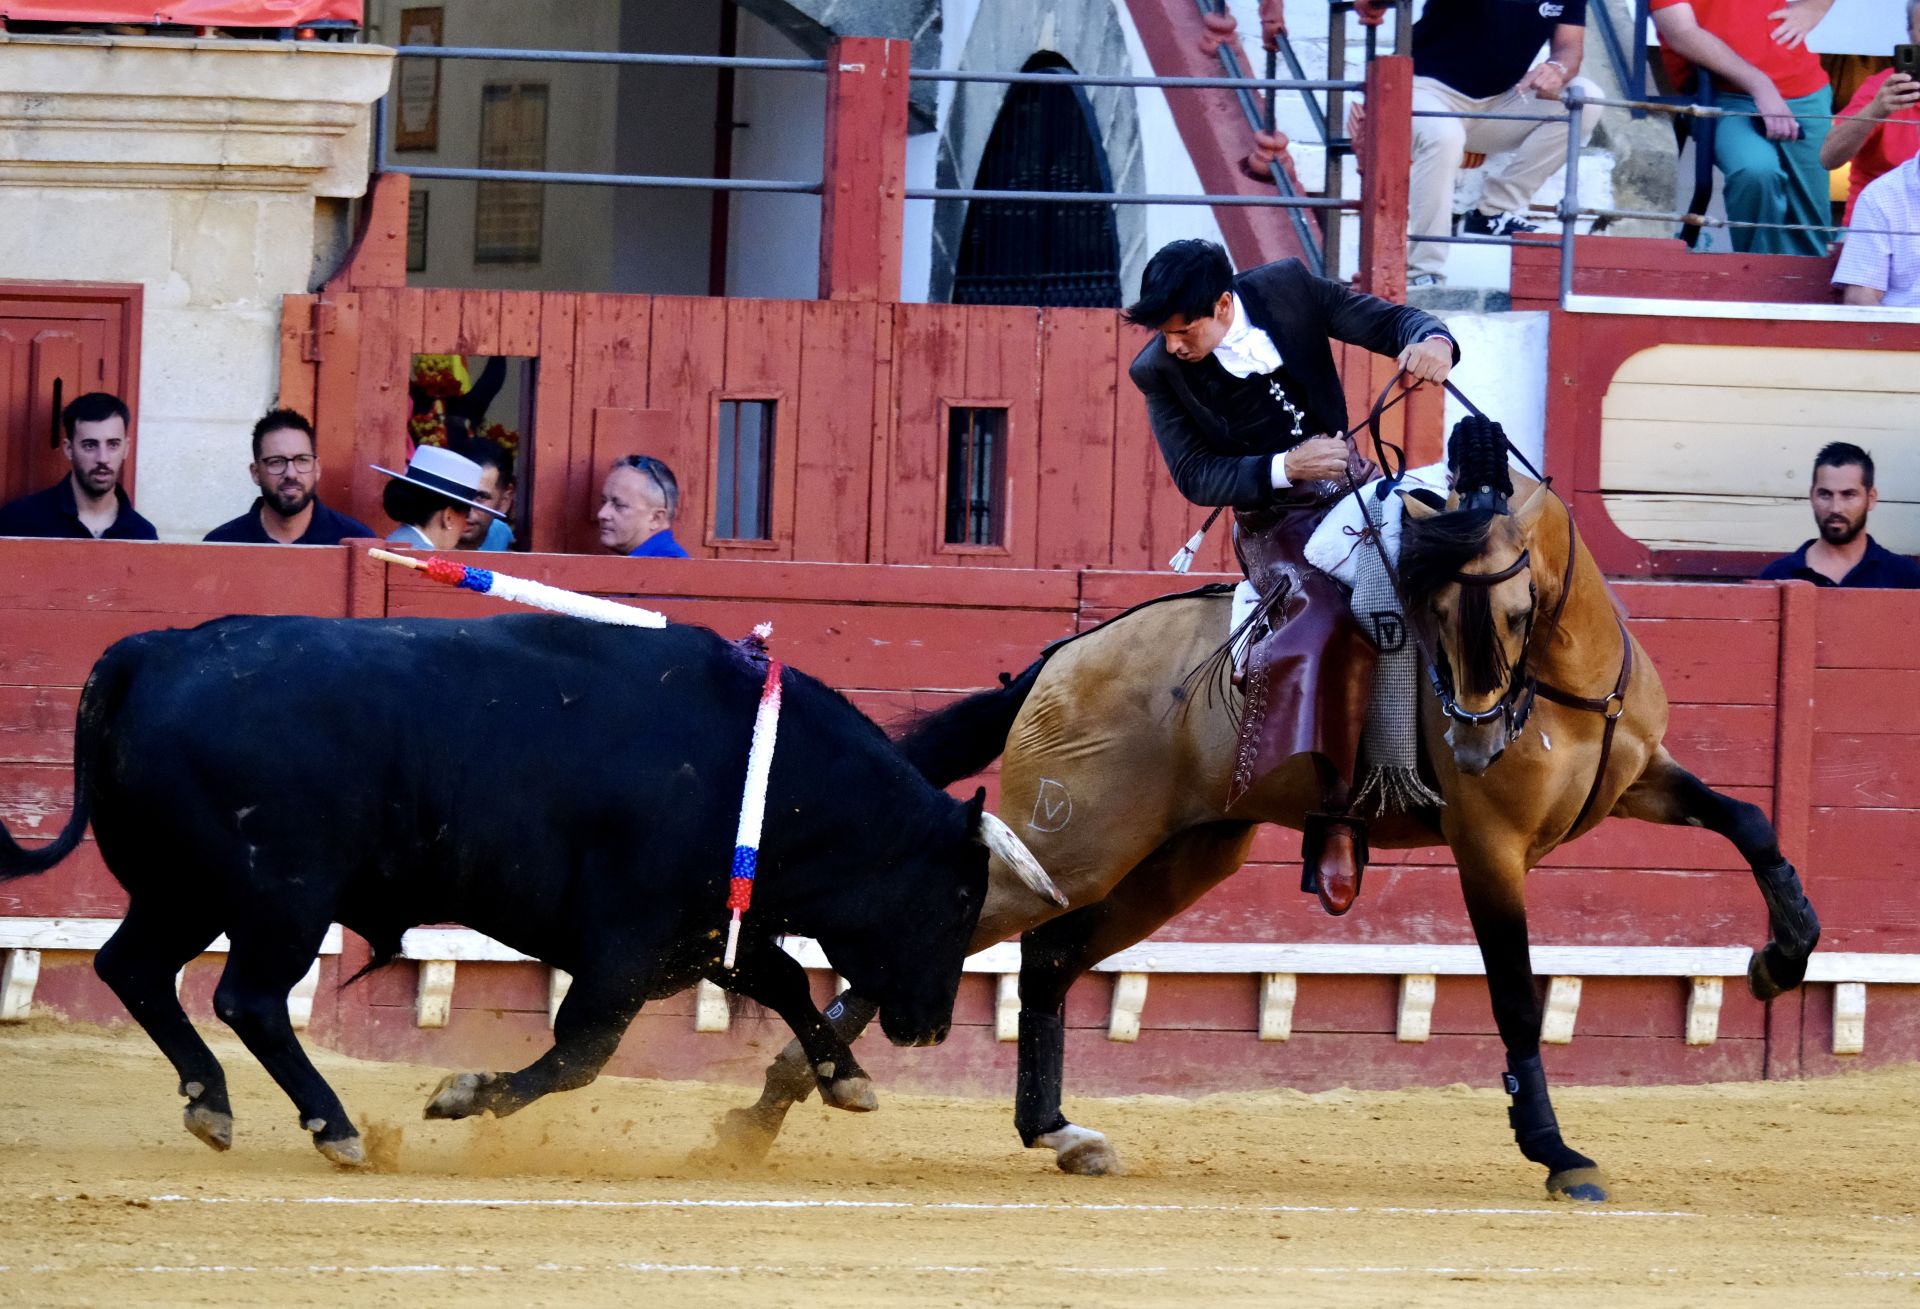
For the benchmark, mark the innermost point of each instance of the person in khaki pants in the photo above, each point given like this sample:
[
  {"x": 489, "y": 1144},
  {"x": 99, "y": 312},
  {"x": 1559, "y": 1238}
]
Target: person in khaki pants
[{"x": 1477, "y": 56}]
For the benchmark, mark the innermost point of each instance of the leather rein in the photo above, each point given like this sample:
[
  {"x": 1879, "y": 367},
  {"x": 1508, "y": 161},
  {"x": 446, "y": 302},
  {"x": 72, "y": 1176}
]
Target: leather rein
[{"x": 1516, "y": 703}]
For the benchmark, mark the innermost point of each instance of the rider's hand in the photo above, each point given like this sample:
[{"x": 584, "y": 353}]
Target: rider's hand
[
  {"x": 1317, "y": 459},
  {"x": 1429, "y": 360}
]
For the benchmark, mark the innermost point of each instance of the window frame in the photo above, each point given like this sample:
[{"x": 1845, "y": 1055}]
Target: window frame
[{"x": 941, "y": 546}]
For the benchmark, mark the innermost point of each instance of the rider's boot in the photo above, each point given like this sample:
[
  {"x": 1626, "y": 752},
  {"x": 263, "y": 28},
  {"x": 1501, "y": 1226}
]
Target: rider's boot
[{"x": 1333, "y": 854}]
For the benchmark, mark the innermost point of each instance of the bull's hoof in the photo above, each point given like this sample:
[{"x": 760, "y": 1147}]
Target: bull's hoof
[
  {"x": 851, "y": 1093},
  {"x": 1583, "y": 1185},
  {"x": 459, "y": 1095},
  {"x": 347, "y": 1151},
  {"x": 210, "y": 1125}
]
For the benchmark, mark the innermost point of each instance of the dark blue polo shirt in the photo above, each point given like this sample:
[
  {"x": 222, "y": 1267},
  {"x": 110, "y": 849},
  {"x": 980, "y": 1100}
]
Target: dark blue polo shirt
[
  {"x": 1483, "y": 47},
  {"x": 55, "y": 513},
  {"x": 326, "y": 527},
  {"x": 1879, "y": 567},
  {"x": 660, "y": 545}
]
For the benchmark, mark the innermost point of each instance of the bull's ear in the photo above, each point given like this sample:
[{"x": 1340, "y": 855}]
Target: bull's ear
[{"x": 976, "y": 807}]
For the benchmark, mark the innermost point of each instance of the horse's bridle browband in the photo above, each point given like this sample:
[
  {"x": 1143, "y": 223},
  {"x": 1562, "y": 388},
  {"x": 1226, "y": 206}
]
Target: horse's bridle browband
[{"x": 1516, "y": 704}]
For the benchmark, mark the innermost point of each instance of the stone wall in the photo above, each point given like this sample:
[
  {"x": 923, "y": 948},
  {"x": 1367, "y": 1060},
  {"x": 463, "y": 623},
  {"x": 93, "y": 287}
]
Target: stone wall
[{"x": 193, "y": 168}]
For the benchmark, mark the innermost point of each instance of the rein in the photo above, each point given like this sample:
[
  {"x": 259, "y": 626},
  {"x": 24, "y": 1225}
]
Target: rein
[{"x": 1516, "y": 704}]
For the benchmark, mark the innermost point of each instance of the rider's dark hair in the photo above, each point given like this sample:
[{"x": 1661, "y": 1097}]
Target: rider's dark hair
[
  {"x": 1840, "y": 454},
  {"x": 1185, "y": 279},
  {"x": 1432, "y": 550}
]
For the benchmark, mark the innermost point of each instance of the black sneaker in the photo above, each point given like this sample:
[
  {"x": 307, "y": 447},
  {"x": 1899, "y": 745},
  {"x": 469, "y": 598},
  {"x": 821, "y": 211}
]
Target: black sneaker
[{"x": 1479, "y": 224}]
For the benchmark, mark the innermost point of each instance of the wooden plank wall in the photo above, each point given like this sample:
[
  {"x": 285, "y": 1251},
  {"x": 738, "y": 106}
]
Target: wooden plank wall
[
  {"x": 863, "y": 391},
  {"x": 1784, "y": 696}
]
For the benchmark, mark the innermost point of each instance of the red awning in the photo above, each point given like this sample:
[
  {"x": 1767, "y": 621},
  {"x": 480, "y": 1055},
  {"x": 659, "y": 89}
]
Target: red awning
[{"x": 188, "y": 13}]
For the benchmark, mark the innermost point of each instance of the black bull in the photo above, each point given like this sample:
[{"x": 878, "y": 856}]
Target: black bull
[{"x": 569, "y": 789}]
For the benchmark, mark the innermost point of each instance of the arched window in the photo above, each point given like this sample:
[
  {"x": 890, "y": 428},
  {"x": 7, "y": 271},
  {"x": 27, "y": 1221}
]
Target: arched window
[{"x": 1020, "y": 252}]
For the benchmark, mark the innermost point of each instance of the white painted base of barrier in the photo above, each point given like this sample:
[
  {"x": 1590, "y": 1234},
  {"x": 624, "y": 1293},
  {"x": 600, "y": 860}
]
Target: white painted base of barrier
[
  {"x": 1277, "y": 965},
  {"x": 23, "y": 939}
]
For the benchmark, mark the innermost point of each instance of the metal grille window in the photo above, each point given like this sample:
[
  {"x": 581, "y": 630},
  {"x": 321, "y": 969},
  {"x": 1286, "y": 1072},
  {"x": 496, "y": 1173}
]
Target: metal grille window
[
  {"x": 743, "y": 473},
  {"x": 976, "y": 476}
]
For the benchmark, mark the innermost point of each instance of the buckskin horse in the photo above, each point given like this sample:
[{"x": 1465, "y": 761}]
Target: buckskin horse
[{"x": 1544, "y": 717}]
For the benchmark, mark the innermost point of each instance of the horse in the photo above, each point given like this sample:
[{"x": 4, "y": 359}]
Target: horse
[{"x": 1118, "y": 766}]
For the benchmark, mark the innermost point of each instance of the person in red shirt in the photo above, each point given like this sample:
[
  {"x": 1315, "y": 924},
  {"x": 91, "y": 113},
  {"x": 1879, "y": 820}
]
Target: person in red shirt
[
  {"x": 1880, "y": 128},
  {"x": 1761, "y": 67}
]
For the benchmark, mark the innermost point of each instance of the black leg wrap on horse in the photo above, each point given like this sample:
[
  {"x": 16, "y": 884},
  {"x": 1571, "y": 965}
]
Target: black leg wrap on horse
[
  {"x": 1036, "y": 1101},
  {"x": 1796, "y": 928},
  {"x": 1531, "y": 1116}
]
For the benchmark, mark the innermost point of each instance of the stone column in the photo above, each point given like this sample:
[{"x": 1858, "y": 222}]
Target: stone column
[{"x": 192, "y": 167}]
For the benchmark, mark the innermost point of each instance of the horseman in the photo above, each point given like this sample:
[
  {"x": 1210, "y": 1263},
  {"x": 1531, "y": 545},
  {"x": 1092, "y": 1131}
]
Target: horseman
[{"x": 1249, "y": 413}]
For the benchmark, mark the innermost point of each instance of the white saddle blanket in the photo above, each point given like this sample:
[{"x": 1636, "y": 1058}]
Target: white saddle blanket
[{"x": 1333, "y": 545}]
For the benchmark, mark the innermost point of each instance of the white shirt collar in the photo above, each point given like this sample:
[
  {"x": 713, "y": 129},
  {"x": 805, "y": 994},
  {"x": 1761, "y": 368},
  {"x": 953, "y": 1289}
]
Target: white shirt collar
[{"x": 1246, "y": 349}]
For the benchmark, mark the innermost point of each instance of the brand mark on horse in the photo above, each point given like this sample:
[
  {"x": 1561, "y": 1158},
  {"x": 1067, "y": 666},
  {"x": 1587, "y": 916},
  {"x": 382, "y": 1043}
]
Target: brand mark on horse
[{"x": 1052, "y": 807}]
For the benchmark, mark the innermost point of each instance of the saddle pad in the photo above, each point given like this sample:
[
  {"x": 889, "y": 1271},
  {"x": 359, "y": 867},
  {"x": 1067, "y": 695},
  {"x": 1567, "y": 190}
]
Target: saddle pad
[{"x": 1334, "y": 542}]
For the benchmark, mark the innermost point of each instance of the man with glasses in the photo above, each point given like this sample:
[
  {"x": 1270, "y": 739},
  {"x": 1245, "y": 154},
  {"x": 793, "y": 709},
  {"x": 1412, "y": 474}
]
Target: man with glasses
[
  {"x": 287, "y": 471},
  {"x": 638, "y": 503}
]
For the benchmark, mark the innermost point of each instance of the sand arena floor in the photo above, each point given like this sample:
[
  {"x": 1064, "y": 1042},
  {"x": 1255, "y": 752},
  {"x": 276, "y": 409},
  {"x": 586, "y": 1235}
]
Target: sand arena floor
[{"x": 1795, "y": 1193}]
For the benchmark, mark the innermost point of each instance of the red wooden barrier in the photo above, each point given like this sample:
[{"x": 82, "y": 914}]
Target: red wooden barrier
[{"x": 1791, "y": 698}]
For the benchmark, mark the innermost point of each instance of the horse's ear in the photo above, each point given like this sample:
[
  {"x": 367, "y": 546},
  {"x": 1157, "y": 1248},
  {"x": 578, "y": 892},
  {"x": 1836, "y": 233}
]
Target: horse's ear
[
  {"x": 1528, "y": 514},
  {"x": 1422, "y": 504}
]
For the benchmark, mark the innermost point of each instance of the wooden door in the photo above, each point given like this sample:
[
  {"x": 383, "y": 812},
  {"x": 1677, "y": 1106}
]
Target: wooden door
[{"x": 59, "y": 340}]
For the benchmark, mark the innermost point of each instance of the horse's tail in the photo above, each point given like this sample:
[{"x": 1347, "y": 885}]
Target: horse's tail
[
  {"x": 961, "y": 739},
  {"x": 105, "y": 690}
]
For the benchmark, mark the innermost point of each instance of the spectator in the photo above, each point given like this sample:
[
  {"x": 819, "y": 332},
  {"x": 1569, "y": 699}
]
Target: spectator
[
  {"x": 89, "y": 502},
  {"x": 1476, "y": 56},
  {"x": 1760, "y": 66},
  {"x": 1880, "y": 263},
  {"x": 1880, "y": 128},
  {"x": 287, "y": 510},
  {"x": 1843, "y": 554},
  {"x": 433, "y": 499},
  {"x": 638, "y": 504},
  {"x": 484, "y": 531}
]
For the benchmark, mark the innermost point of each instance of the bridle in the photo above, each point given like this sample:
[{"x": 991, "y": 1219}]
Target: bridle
[{"x": 1523, "y": 688}]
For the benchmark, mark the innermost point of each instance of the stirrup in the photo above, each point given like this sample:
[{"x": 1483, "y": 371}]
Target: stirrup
[{"x": 1313, "y": 844}]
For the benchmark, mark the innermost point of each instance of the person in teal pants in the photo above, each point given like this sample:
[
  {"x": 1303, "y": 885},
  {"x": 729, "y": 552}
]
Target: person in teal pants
[{"x": 1760, "y": 65}]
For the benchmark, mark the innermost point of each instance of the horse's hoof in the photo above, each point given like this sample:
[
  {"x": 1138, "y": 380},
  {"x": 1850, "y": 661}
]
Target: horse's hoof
[
  {"x": 743, "y": 1136},
  {"x": 1081, "y": 1152},
  {"x": 1760, "y": 980},
  {"x": 458, "y": 1095},
  {"x": 854, "y": 1094},
  {"x": 1585, "y": 1185},
  {"x": 211, "y": 1126},
  {"x": 347, "y": 1152}
]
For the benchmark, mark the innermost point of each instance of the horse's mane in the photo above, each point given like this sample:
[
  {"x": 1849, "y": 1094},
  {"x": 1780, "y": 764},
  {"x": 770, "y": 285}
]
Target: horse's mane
[{"x": 1432, "y": 550}]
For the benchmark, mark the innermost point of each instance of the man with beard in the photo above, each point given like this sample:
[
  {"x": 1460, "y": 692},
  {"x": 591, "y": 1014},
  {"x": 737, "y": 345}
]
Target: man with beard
[
  {"x": 287, "y": 470},
  {"x": 88, "y": 503},
  {"x": 1843, "y": 554}
]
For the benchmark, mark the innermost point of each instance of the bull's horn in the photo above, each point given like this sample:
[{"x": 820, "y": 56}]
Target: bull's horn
[{"x": 1000, "y": 839}]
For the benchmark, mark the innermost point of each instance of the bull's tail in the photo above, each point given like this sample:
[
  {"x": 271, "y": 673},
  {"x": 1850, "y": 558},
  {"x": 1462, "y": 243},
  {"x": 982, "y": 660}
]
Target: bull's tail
[
  {"x": 105, "y": 690},
  {"x": 961, "y": 739}
]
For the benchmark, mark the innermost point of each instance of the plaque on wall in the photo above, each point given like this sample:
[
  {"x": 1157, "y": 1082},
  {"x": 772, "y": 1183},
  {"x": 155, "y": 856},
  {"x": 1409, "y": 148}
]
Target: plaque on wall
[
  {"x": 507, "y": 216},
  {"x": 417, "y": 99},
  {"x": 417, "y": 231}
]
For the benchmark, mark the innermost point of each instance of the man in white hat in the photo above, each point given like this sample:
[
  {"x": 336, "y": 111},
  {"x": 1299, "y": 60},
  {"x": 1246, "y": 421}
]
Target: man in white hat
[{"x": 433, "y": 499}]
